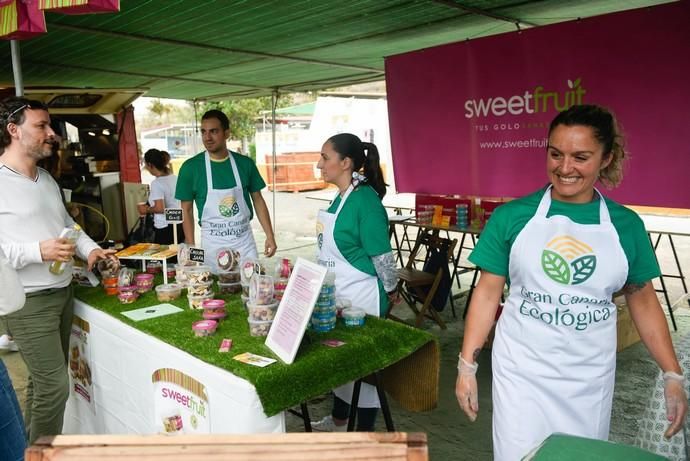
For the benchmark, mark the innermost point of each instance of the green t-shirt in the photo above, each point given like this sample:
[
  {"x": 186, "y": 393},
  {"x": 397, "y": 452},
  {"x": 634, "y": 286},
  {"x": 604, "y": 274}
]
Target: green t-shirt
[
  {"x": 492, "y": 252},
  {"x": 361, "y": 232},
  {"x": 191, "y": 182}
]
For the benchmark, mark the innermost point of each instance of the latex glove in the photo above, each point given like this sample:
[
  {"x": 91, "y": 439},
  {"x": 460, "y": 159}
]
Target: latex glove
[
  {"x": 270, "y": 247},
  {"x": 676, "y": 402},
  {"x": 466, "y": 388}
]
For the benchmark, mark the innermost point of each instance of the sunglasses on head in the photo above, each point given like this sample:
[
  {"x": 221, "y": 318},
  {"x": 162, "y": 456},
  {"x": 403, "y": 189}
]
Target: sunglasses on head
[{"x": 28, "y": 105}]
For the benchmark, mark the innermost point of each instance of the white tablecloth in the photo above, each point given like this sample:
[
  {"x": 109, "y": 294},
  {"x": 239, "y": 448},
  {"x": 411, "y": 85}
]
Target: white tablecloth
[{"x": 122, "y": 361}]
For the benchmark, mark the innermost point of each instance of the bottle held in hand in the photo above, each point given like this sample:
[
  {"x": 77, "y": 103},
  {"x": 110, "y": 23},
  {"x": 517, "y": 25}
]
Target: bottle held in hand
[{"x": 71, "y": 233}]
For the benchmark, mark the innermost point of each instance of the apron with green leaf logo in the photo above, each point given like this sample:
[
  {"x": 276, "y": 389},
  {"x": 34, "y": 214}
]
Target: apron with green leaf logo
[
  {"x": 554, "y": 354},
  {"x": 352, "y": 284},
  {"x": 225, "y": 219}
]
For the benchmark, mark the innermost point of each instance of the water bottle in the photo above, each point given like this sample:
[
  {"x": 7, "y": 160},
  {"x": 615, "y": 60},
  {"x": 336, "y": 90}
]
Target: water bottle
[{"x": 71, "y": 233}]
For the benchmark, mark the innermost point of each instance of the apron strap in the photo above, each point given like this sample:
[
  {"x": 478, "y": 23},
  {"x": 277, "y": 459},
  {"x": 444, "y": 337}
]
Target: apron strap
[
  {"x": 545, "y": 204},
  {"x": 233, "y": 165},
  {"x": 342, "y": 200}
]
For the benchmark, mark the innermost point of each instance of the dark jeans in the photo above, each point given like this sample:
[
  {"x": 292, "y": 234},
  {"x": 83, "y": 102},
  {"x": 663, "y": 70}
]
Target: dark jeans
[
  {"x": 165, "y": 236},
  {"x": 366, "y": 417},
  {"x": 12, "y": 434}
]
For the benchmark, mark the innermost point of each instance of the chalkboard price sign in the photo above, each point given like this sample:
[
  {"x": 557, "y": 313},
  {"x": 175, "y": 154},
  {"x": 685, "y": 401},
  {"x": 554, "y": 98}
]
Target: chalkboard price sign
[
  {"x": 173, "y": 215},
  {"x": 196, "y": 254}
]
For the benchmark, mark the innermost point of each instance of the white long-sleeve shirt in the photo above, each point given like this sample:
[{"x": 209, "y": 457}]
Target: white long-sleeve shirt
[{"x": 31, "y": 210}]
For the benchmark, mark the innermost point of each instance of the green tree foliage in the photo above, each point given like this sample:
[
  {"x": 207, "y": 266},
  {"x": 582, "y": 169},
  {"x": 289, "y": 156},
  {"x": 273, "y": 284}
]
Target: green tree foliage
[{"x": 244, "y": 112}]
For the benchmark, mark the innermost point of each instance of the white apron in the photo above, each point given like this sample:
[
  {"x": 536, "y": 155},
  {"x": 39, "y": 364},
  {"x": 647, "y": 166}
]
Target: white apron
[
  {"x": 554, "y": 354},
  {"x": 350, "y": 283},
  {"x": 225, "y": 219}
]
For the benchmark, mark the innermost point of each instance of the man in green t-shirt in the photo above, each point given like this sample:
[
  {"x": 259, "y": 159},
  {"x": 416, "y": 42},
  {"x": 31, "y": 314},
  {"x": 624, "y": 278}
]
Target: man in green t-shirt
[{"x": 224, "y": 185}]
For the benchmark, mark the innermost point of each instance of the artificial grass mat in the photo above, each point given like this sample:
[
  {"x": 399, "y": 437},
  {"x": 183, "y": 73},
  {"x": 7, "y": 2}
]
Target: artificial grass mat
[{"x": 317, "y": 368}]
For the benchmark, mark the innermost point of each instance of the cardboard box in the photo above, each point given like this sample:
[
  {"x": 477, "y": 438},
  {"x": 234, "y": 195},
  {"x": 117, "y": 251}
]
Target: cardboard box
[{"x": 626, "y": 332}]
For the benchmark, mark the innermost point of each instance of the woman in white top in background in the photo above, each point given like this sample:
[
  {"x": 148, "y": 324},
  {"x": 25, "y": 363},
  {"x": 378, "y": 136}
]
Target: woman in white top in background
[{"x": 162, "y": 196}]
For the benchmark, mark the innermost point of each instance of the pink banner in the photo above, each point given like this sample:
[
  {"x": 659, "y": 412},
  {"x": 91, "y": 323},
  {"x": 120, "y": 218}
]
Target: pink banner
[{"x": 472, "y": 117}]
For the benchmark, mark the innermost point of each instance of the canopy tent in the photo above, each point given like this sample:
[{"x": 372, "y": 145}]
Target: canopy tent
[{"x": 194, "y": 49}]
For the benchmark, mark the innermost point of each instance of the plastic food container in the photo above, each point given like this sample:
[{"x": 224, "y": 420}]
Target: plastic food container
[
  {"x": 198, "y": 274},
  {"x": 354, "y": 317},
  {"x": 217, "y": 316},
  {"x": 229, "y": 288},
  {"x": 227, "y": 259},
  {"x": 249, "y": 267},
  {"x": 204, "y": 327},
  {"x": 262, "y": 312},
  {"x": 261, "y": 289},
  {"x": 259, "y": 327},
  {"x": 182, "y": 254},
  {"x": 209, "y": 304},
  {"x": 198, "y": 289},
  {"x": 127, "y": 297},
  {"x": 154, "y": 267},
  {"x": 229, "y": 277},
  {"x": 279, "y": 286},
  {"x": 110, "y": 285},
  {"x": 195, "y": 301},
  {"x": 283, "y": 268},
  {"x": 144, "y": 282},
  {"x": 125, "y": 277},
  {"x": 245, "y": 290},
  {"x": 108, "y": 268},
  {"x": 171, "y": 272},
  {"x": 180, "y": 276},
  {"x": 322, "y": 325},
  {"x": 328, "y": 287},
  {"x": 168, "y": 292}
]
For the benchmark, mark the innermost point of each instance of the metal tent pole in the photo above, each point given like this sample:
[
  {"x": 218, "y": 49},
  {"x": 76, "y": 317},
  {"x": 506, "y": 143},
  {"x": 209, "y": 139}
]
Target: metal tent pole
[
  {"x": 17, "y": 68},
  {"x": 274, "y": 104}
]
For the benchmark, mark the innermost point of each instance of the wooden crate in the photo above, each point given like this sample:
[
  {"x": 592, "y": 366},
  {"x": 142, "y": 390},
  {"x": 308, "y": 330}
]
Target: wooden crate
[
  {"x": 295, "y": 172},
  {"x": 270, "y": 447}
]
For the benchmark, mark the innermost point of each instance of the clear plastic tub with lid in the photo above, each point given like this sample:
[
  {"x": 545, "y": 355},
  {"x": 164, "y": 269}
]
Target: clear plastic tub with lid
[
  {"x": 261, "y": 289},
  {"x": 262, "y": 311},
  {"x": 168, "y": 292},
  {"x": 198, "y": 274},
  {"x": 259, "y": 327}
]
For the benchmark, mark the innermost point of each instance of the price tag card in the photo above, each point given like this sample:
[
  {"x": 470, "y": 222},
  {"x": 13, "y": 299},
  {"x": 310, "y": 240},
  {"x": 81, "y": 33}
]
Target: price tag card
[
  {"x": 173, "y": 215},
  {"x": 196, "y": 254}
]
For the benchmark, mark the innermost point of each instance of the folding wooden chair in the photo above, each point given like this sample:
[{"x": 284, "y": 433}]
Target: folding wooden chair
[{"x": 417, "y": 286}]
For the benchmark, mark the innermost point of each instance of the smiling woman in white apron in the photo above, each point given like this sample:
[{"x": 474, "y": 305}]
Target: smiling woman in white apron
[
  {"x": 221, "y": 183},
  {"x": 353, "y": 243},
  {"x": 564, "y": 251}
]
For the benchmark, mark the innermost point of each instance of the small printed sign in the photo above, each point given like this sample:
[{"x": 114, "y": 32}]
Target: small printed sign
[
  {"x": 173, "y": 215},
  {"x": 253, "y": 359},
  {"x": 196, "y": 254}
]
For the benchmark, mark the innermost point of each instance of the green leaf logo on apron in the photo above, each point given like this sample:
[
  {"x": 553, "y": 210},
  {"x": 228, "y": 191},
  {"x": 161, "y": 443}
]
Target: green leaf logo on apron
[
  {"x": 228, "y": 207},
  {"x": 568, "y": 261}
]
